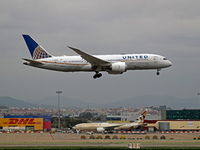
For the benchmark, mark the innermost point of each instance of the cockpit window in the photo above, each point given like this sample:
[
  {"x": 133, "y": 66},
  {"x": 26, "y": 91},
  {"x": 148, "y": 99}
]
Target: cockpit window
[{"x": 164, "y": 58}]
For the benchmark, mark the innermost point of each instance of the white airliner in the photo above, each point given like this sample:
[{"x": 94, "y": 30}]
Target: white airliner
[
  {"x": 102, "y": 127},
  {"x": 113, "y": 64}
]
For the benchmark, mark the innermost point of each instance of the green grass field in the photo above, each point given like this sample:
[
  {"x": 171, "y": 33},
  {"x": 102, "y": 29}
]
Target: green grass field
[{"x": 93, "y": 148}]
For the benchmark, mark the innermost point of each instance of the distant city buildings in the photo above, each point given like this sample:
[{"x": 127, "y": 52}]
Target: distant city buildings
[
  {"x": 171, "y": 120},
  {"x": 102, "y": 114}
]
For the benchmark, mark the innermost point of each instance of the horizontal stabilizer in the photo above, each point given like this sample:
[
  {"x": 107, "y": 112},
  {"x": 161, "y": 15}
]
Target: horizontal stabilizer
[{"x": 33, "y": 62}]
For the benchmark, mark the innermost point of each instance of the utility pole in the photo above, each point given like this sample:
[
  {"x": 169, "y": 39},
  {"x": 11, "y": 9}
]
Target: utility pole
[
  {"x": 59, "y": 92},
  {"x": 198, "y": 94}
]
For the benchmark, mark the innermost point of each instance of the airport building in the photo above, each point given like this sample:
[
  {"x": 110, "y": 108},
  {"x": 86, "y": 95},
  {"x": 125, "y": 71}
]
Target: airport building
[
  {"x": 176, "y": 120},
  {"x": 33, "y": 123},
  {"x": 113, "y": 118},
  {"x": 172, "y": 125},
  {"x": 185, "y": 114},
  {"x": 130, "y": 117}
]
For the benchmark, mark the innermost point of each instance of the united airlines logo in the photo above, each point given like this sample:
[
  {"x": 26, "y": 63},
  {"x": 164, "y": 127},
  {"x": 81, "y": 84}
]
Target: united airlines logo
[
  {"x": 143, "y": 57},
  {"x": 40, "y": 53}
]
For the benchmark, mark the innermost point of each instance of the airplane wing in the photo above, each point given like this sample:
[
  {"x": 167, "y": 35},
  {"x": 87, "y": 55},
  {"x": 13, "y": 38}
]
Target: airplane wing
[
  {"x": 91, "y": 59},
  {"x": 112, "y": 127},
  {"x": 32, "y": 62},
  {"x": 141, "y": 124}
]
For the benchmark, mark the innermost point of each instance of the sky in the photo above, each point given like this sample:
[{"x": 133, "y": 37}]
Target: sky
[{"x": 170, "y": 28}]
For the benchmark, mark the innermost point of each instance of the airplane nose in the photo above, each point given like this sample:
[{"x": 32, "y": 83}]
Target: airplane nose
[{"x": 170, "y": 64}]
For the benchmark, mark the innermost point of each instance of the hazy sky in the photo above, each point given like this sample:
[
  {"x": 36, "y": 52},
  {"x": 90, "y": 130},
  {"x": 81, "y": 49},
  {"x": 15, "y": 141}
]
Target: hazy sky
[{"x": 167, "y": 27}]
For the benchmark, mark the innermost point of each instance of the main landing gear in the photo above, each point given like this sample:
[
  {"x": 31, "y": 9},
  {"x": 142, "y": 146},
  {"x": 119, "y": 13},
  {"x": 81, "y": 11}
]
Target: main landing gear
[
  {"x": 97, "y": 75},
  {"x": 158, "y": 73}
]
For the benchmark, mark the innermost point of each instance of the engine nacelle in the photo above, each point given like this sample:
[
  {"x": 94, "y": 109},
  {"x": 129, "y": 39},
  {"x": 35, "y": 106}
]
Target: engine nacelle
[
  {"x": 133, "y": 127},
  {"x": 101, "y": 129},
  {"x": 118, "y": 68}
]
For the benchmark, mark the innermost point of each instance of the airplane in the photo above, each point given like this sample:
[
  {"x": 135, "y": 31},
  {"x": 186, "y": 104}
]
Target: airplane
[
  {"x": 104, "y": 127},
  {"x": 113, "y": 64}
]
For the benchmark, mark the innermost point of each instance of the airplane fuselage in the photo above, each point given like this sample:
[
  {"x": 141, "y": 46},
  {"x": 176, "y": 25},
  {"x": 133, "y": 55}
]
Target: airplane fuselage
[
  {"x": 77, "y": 63},
  {"x": 99, "y": 127},
  {"x": 93, "y": 126}
]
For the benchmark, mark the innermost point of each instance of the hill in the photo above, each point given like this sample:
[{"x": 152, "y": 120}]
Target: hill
[
  {"x": 11, "y": 102},
  {"x": 49, "y": 102},
  {"x": 150, "y": 100},
  {"x": 141, "y": 101},
  {"x": 67, "y": 102}
]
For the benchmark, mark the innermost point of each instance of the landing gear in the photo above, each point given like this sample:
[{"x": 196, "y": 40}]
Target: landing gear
[
  {"x": 97, "y": 75},
  {"x": 158, "y": 73}
]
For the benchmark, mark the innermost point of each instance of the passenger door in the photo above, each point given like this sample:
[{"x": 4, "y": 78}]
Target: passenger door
[{"x": 155, "y": 58}]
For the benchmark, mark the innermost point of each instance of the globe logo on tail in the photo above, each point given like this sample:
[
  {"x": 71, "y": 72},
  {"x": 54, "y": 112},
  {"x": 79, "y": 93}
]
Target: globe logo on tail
[{"x": 40, "y": 53}]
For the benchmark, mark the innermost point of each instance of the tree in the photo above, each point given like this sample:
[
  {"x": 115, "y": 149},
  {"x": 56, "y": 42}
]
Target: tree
[{"x": 86, "y": 115}]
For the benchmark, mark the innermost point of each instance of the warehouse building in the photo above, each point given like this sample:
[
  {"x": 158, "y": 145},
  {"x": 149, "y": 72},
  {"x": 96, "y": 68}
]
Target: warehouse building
[
  {"x": 26, "y": 123},
  {"x": 21, "y": 124}
]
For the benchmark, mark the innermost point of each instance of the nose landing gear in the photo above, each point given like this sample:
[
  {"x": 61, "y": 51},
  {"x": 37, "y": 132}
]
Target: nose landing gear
[{"x": 158, "y": 73}]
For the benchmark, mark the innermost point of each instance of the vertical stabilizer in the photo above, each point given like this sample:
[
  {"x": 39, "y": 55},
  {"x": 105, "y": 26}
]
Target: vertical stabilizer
[
  {"x": 37, "y": 51},
  {"x": 141, "y": 118}
]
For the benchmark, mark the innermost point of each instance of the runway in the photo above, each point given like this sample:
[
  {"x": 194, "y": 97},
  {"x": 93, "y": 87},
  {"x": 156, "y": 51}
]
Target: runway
[{"x": 72, "y": 139}]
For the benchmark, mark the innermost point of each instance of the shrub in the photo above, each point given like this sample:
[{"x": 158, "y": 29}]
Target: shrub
[
  {"x": 115, "y": 137},
  {"x": 83, "y": 137},
  {"x": 99, "y": 137},
  {"x": 123, "y": 137},
  {"x": 147, "y": 137},
  {"x": 162, "y": 137},
  {"x": 155, "y": 137},
  {"x": 107, "y": 137},
  {"x": 92, "y": 137}
]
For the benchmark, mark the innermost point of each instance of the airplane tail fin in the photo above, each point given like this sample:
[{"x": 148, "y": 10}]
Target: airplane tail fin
[
  {"x": 141, "y": 118},
  {"x": 36, "y": 50}
]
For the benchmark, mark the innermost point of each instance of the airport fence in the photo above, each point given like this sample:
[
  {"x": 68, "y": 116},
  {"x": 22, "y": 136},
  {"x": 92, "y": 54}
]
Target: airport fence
[
  {"x": 21, "y": 132},
  {"x": 171, "y": 132}
]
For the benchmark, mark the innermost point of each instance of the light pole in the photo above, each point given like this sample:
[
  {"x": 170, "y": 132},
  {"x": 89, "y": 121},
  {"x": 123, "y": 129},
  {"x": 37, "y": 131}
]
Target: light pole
[
  {"x": 59, "y": 92},
  {"x": 198, "y": 94}
]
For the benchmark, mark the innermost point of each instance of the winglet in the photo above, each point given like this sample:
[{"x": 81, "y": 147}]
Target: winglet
[{"x": 37, "y": 51}]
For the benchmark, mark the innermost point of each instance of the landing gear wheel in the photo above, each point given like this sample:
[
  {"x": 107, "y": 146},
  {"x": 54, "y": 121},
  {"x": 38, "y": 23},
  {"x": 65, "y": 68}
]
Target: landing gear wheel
[
  {"x": 94, "y": 77},
  {"x": 97, "y": 75},
  {"x": 158, "y": 73}
]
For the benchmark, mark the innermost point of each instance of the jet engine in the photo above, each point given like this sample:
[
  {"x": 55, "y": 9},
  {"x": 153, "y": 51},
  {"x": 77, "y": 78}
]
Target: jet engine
[
  {"x": 101, "y": 129},
  {"x": 117, "y": 68}
]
